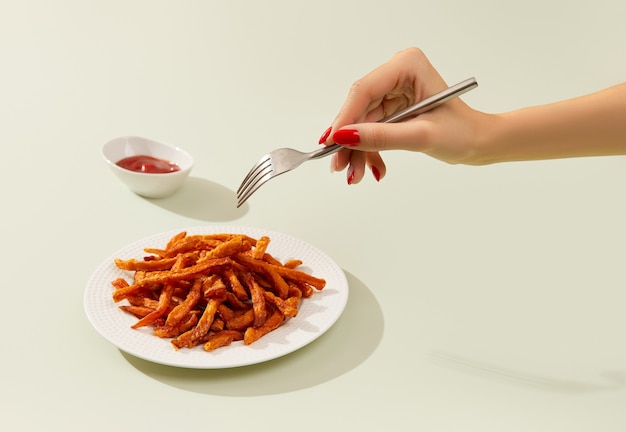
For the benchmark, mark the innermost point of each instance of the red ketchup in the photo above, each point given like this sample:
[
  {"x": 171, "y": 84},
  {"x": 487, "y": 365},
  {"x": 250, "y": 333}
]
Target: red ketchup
[{"x": 147, "y": 164}]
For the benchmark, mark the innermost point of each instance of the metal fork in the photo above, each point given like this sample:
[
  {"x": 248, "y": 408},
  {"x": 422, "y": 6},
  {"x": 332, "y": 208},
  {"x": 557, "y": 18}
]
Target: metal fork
[{"x": 285, "y": 159}]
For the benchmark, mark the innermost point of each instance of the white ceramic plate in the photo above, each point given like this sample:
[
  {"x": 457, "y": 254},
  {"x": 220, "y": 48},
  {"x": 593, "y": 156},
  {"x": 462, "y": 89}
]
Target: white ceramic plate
[{"x": 316, "y": 315}]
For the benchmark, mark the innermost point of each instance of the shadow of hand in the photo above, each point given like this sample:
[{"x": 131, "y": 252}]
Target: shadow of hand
[{"x": 612, "y": 380}]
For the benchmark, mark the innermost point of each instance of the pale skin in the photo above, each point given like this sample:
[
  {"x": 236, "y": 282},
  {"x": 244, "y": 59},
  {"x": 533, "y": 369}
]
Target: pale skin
[{"x": 455, "y": 133}]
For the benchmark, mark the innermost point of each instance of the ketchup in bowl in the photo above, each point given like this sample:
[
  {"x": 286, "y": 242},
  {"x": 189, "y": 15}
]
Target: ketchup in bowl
[{"x": 147, "y": 164}]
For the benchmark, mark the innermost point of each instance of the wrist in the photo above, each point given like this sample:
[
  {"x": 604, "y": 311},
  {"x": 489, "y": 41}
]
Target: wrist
[{"x": 485, "y": 139}]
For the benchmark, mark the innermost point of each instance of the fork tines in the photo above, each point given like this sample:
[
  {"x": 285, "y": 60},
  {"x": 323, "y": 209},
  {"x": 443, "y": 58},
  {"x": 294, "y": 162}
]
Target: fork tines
[{"x": 259, "y": 174}]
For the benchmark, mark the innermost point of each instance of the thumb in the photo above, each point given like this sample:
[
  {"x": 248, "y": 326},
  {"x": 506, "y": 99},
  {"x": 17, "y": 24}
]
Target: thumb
[{"x": 410, "y": 135}]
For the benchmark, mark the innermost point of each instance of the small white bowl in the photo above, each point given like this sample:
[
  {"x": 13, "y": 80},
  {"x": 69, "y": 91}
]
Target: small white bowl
[{"x": 147, "y": 184}]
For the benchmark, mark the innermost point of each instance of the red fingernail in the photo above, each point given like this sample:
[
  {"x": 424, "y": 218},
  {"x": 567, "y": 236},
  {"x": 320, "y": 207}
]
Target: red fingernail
[
  {"x": 376, "y": 173},
  {"x": 350, "y": 176},
  {"x": 348, "y": 137},
  {"x": 325, "y": 135}
]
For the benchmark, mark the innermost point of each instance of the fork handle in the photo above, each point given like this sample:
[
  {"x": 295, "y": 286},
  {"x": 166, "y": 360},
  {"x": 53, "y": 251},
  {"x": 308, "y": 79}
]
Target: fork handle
[{"x": 411, "y": 111}]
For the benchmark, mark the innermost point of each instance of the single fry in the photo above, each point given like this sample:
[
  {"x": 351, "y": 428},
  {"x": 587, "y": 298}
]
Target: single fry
[
  {"x": 221, "y": 339},
  {"x": 252, "y": 334},
  {"x": 258, "y": 299},
  {"x": 300, "y": 276},
  {"x": 241, "y": 321},
  {"x": 235, "y": 285},
  {"x": 145, "y": 265},
  {"x": 261, "y": 247},
  {"x": 138, "y": 311},
  {"x": 293, "y": 263}
]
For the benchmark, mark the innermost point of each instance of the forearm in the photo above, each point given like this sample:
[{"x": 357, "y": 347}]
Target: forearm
[{"x": 592, "y": 125}]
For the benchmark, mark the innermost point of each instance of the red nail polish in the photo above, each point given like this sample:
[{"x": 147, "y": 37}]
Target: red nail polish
[
  {"x": 348, "y": 137},
  {"x": 376, "y": 173},
  {"x": 325, "y": 135},
  {"x": 350, "y": 176}
]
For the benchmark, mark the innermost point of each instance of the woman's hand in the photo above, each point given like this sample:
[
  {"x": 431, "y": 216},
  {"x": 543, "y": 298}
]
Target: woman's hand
[{"x": 446, "y": 133}]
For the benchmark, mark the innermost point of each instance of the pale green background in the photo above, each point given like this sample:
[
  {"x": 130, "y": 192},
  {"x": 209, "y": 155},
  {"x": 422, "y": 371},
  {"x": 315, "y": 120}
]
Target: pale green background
[{"x": 483, "y": 299}]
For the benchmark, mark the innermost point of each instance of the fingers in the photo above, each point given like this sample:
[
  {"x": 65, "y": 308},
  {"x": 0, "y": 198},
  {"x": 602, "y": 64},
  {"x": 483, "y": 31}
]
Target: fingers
[
  {"x": 358, "y": 164},
  {"x": 374, "y": 137},
  {"x": 408, "y": 76},
  {"x": 377, "y": 165},
  {"x": 356, "y": 168},
  {"x": 363, "y": 142}
]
